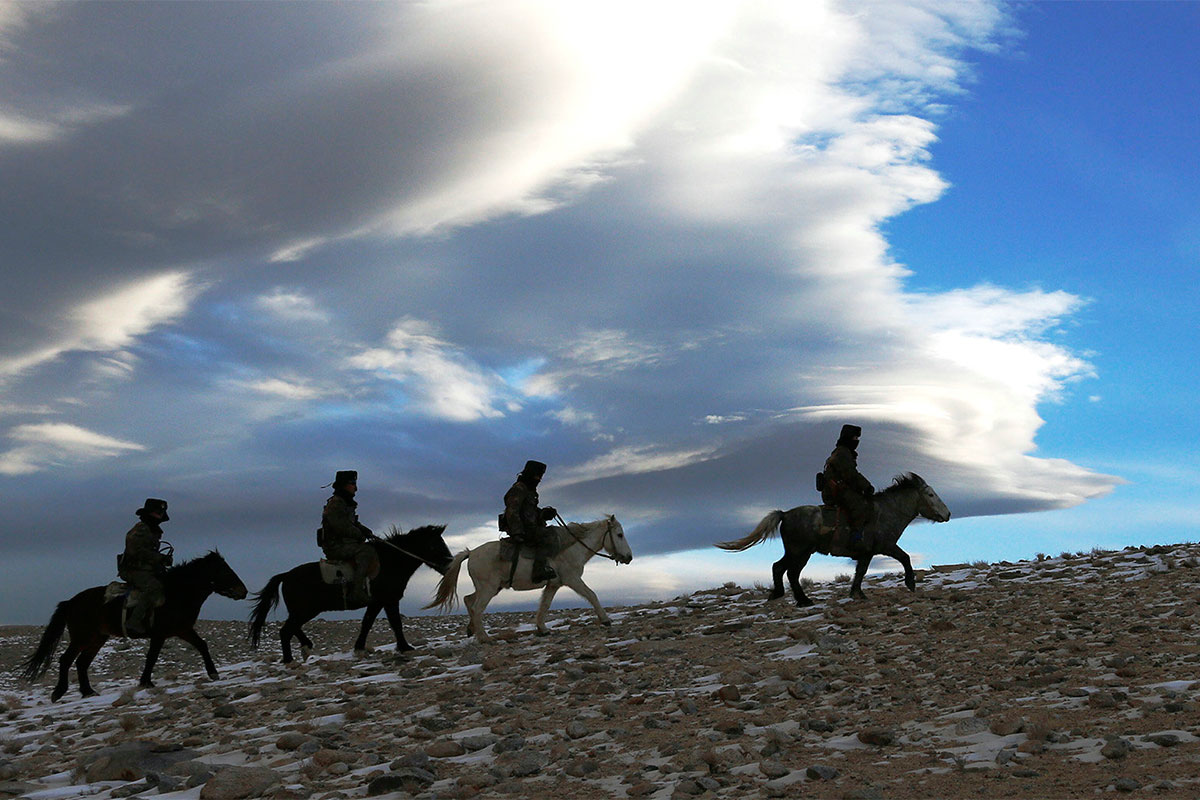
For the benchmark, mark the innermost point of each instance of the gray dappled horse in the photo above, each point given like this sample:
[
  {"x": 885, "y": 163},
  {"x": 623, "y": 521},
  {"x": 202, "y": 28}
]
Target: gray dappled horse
[
  {"x": 577, "y": 543},
  {"x": 805, "y": 531}
]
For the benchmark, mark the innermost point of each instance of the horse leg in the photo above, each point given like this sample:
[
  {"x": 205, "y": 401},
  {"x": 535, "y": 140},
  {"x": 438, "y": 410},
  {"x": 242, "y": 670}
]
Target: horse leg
[
  {"x": 291, "y": 628},
  {"x": 396, "y": 620},
  {"x": 373, "y": 609},
  {"x": 64, "y": 670},
  {"x": 793, "y": 574},
  {"x": 483, "y": 596},
  {"x": 583, "y": 590},
  {"x": 191, "y": 637},
  {"x": 156, "y": 643},
  {"x": 777, "y": 570},
  {"x": 544, "y": 607},
  {"x": 467, "y": 602},
  {"x": 860, "y": 570},
  {"x": 893, "y": 551},
  {"x": 81, "y": 664}
]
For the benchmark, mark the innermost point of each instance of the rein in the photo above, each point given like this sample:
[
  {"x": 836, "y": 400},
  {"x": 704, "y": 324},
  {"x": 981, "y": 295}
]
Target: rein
[
  {"x": 399, "y": 549},
  {"x": 600, "y": 552}
]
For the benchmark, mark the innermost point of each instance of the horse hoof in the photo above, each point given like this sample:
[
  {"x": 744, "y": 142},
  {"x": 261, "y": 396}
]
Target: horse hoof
[
  {"x": 543, "y": 632},
  {"x": 405, "y": 648},
  {"x": 150, "y": 684},
  {"x": 57, "y": 694},
  {"x": 362, "y": 651},
  {"x": 805, "y": 603},
  {"x": 911, "y": 585},
  {"x": 305, "y": 652},
  {"x": 214, "y": 675},
  {"x": 88, "y": 693},
  {"x": 606, "y": 623}
]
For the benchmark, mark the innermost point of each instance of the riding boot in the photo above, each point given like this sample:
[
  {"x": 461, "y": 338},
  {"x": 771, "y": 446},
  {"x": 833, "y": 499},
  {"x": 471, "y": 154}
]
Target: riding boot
[{"x": 541, "y": 571}]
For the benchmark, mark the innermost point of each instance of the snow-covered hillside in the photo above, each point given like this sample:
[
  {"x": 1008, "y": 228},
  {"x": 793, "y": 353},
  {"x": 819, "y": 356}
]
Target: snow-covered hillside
[{"x": 1064, "y": 677}]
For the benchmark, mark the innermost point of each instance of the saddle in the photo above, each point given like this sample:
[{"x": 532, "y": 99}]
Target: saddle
[
  {"x": 341, "y": 573},
  {"x": 336, "y": 572},
  {"x": 512, "y": 550},
  {"x": 114, "y": 590},
  {"x": 835, "y": 534}
]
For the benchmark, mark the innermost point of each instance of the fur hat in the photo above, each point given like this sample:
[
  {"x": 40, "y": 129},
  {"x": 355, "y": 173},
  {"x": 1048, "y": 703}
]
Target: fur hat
[
  {"x": 345, "y": 476},
  {"x": 849, "y": 433},
  {"x": 153, "y": 504},
  {"x": 533, "y": 469}
]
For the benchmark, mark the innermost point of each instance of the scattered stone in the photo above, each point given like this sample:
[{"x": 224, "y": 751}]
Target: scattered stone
[
  {"x": 408, "y": 779},
  {"x": 878, "y": 737},
  {"x": 445, "y": 748},
  {"x": 1116, "y": 748},
  {"x": 821, "y": 772},
  {"x": 238, "y": 783}
]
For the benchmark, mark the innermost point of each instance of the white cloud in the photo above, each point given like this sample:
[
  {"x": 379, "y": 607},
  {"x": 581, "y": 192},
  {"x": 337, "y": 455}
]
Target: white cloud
[
  {"x": 285, "y": 389},
  {"x": 112, "y": 321},
  {"x": 291, "y": 305},
  {"x": 629, "y": 460},
  {"x": 439, "y": 378},
  {"x": 50, "y": 444}
]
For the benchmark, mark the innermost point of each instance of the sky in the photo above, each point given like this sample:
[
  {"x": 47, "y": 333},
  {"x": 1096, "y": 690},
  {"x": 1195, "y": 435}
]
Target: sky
[{"x": 667, "y": 248}]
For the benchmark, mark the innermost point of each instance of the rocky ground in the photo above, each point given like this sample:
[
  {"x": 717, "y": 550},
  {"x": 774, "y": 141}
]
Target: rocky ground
[{"x": 1059, "y": 678}]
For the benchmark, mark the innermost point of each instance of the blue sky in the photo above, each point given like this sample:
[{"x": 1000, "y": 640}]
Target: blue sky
[{"x": 668, "y": 249}]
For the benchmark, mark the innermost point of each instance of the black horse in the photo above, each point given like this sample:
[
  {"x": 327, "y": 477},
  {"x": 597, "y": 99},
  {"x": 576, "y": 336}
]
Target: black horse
[
  {"x": 805, "y": 532},
  {"x": 306, "y": 595},
  {"x": 90, "y": 621}
]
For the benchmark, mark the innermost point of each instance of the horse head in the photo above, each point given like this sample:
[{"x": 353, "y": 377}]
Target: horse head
[
  {"x": 424, "y": 544},
  {"x": 225, "y": 581},
  {"x": 929, "y": 505},
  {"x": 618, "y": 546}
]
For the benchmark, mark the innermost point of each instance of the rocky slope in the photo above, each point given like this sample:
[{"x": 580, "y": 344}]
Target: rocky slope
[{"x": 1059, "y": 678}]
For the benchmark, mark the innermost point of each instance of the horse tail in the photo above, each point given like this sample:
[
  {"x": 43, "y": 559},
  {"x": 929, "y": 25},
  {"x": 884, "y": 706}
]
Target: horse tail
[
  {"x": 264, "y": 603},
  {"x": 39, "y": 662},
  {"x": 447, "y": 589},
  {"x": 765, "y": 530}
]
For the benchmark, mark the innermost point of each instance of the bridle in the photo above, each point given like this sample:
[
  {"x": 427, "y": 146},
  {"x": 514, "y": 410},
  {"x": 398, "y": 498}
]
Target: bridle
[
  {"x": 608, "y": 534},
  {"x": 400, "y": 549}
]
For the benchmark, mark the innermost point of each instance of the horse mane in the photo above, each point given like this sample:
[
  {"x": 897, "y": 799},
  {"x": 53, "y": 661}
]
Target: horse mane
[
  {"x": 183, "y": 565},
  {"x": 425, "y": 530},
  {"x": 905, "y": 480}
]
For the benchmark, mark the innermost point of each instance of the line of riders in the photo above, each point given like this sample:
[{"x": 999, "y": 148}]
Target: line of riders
[{"x": 345, "y": 541}]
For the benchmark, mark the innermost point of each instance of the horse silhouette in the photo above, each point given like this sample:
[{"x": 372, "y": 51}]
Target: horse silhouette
[
  {"x": 90, "y": 621},
  {"x": 306, "y": 595},
  {"x": 804, "y": 533},
  {"x": 577, "y": 543}
]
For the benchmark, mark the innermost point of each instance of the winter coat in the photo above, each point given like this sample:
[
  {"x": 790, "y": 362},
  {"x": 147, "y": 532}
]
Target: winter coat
[
  {"x": 142, "y": 554},
  {"x": 342, "y": 533},
  {"x": 524, "y": 520}
]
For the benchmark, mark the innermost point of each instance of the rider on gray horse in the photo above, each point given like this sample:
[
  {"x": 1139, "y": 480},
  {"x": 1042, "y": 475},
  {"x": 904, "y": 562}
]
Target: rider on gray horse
[
  {"x": 342, "y": 537},
  {"x": 142, "y": 565},
  {"x": 844, "y": 487},
  {"x": 525, "y": 522}
]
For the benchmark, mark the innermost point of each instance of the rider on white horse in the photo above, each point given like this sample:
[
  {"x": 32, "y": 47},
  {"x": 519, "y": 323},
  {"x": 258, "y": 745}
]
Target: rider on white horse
[{"x": 525, "y": 522}]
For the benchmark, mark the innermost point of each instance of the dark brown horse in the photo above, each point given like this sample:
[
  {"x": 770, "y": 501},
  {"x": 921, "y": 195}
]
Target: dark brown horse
[
  {"x": 306, "y": 595},
  {"x": 804, "y": 532},
  {"x": 89, "y": 622}
]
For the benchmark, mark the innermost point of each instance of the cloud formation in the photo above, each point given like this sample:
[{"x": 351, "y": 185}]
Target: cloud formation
[{"x": 430, "y": 241}]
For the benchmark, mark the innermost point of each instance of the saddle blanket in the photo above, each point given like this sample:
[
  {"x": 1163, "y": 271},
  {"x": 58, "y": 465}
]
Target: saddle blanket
[
  {"x": 336, "y": 572},
  {"x": 510, "y": 547}
]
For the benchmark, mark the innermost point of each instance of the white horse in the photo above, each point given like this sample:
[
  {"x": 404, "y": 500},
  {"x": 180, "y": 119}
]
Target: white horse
[{"x": 577, "y": 543}]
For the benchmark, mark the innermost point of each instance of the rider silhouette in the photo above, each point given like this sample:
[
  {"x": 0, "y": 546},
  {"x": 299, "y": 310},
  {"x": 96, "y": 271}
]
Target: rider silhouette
[
  {"x": 142, "y": 565},
  {"x": 845, "y": 487},
  {"x": 343, "y": 537},
  {"x": 526, "y": 522}
]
